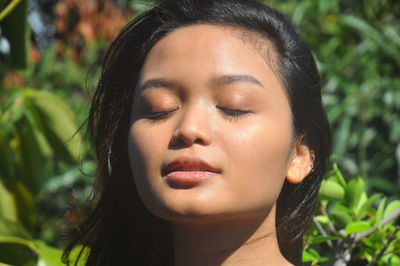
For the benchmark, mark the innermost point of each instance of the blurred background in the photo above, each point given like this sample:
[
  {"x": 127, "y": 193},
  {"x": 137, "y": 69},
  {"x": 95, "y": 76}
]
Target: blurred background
[{"x": 50, "y": 53}]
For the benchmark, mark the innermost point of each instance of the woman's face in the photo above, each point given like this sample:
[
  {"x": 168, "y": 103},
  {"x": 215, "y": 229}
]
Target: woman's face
[{"x": 211, "y": 135}]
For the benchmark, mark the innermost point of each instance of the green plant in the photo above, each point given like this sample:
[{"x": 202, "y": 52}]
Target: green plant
[
  {"x": 37, "y": 131},
  {"x": 41, "y": 147},
  {"x": 35, "y": 126},
  {"x": 14, "y": 26},
  {"x": 356, "y": 44},
  {"x": 352, "y": 226}
]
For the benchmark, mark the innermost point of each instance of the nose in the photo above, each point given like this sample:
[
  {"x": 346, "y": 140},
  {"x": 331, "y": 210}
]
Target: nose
[{"x": 194, "y": 127}]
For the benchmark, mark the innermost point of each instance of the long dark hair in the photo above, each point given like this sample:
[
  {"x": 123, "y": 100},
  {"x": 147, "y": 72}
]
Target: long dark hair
[{"x": 120, "y": 229}]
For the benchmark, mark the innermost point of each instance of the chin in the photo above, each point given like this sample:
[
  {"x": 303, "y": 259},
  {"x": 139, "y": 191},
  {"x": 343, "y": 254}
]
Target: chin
[
  {"x": 202, "y": 212},
  {"x": 188, "y": 209}
]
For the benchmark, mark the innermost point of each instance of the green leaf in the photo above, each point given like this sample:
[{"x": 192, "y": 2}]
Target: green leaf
[
  {"x": 12, "y": 229},
  {"x": 364, "y": 207},
  {"x": 379, "y": 213},
  {"x": 13, "y": 111},
  {"x": 341, "y": 217},
  {"x": 32, "y": 159},
  {"x": 360, "y": 25},
  {"x": 361, "y": 202},
  {"x": 322, "y": 219},
  {"x": 382, "y": 184},
  {"x": 356, "y": 227},
  {"x": 15, "y": 246},
  {"x": 48, "y": 256},
  {"x": 330, "y": 190},
  {"x": 58, "y": 122},
  {"x": 299, "y": 12},
  {"x": 43, "y": 145},
  {"x": 342, "y": 136},
  {"x": 312, "y": 255},
  {"x": 391, "y": 207},
  {"x": 24, "y": 202},
  {"x": 308, "y": 257},
  {"x": 339, "y": 176},
  {"x": 18, "y": 251},
  {"x": 7, "y": 166},
  {"x": 354, "y": 190},
  {"x": 392, "y": 32},
  {"x": 8, "y": 208},
  {"x": 390, "y": 260},
  {"x": 394, "y": 260},
  {"x": 371, "y": 34}
]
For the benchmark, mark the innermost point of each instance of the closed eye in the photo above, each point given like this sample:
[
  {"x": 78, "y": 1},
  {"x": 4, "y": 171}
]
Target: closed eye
[
  {"x": 233, "y": 114},
  {"x": 159, "y": 114}
]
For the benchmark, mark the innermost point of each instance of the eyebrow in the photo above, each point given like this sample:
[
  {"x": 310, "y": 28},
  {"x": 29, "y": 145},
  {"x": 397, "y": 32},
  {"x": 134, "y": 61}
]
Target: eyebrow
[
  {"x": 229, "y": 79},
  {"x": 157, "y": 83},
  {"x": 217, "y": 81}
]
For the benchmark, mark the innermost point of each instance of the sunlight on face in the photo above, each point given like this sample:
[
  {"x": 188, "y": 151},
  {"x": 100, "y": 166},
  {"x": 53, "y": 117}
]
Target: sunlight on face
[{"x": 211, "y": 136}]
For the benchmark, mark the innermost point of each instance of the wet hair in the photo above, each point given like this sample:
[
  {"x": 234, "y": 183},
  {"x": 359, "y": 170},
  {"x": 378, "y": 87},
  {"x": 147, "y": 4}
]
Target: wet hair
[{"x": 120, "y": 229}]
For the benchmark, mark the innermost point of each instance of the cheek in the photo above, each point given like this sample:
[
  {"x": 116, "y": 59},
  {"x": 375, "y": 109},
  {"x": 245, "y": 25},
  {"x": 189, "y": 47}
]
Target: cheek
[
  {"x": 139, "y": 141},
  {"x": 261, "y": 140},
  {"x": 145, "y": 150},
  {"x": 146, "y": 142},
  {"x": 258, "y": 155}
]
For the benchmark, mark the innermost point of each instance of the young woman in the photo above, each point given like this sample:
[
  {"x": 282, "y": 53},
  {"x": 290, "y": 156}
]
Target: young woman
[{"x": 211, "y": 139}]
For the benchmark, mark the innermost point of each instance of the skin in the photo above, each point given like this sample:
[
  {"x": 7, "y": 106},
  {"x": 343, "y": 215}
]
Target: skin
[{"x": 206, "y": 92}]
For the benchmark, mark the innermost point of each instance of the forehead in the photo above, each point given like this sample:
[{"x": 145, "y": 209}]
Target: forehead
[
  {"x": 210, "y": 49},
  {"x": 219, "y": 37}
]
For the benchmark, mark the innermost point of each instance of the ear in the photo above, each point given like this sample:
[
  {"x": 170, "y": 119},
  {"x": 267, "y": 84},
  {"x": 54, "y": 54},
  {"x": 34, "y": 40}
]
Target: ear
[{"x": 301, "y": 163}]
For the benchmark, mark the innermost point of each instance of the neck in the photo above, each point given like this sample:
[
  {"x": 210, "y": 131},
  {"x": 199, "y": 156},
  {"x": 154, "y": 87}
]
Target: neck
[{"x": 250, "y": 242}]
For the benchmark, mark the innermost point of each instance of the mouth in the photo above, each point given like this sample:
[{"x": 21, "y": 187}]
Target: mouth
[{"x": 186, "y": 172}]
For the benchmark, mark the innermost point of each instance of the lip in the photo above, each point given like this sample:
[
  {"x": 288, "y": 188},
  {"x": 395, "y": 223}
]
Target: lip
[{"x": 186, "y": 172}]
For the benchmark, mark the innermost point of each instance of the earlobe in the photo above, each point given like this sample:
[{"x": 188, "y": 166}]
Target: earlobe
[{"x": 301, "y": 164}]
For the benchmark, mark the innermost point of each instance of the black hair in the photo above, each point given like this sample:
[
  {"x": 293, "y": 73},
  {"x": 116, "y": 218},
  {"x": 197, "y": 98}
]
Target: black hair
[{"x": 120, "y": 229}]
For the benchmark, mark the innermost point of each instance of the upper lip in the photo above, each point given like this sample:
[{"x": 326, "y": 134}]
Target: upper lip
[{"x": 186, "y": 163}]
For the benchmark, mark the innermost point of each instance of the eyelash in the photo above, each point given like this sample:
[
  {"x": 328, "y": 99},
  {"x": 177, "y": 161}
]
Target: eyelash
[
  {"x": 159, "y": 115},
  {"x": 233, "y": 114},
  {"x": 230, "y": 114}
]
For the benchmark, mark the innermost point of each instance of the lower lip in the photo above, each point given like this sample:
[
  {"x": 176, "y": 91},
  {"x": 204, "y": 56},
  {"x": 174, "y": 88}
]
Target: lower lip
[{"x": 188, "y": 178}]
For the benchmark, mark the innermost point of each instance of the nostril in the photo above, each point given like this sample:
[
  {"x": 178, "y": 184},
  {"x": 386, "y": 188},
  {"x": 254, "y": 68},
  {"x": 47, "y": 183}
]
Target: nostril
[
  {"x": 198, "y": 141},
  {"x": 178, "y": 142},
  {"x": 181, "y": 141}
]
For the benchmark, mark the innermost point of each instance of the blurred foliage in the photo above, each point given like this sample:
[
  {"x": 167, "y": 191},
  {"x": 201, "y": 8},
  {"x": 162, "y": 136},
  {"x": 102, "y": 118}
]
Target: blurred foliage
[
  {"x": 45, "y": 168},
  {"x": 10, "y": 19},
  {"x": 49, "y": 65},
  {"x": 357, "y": 46}
]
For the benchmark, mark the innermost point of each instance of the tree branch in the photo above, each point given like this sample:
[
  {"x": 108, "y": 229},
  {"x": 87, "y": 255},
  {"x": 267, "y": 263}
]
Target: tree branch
[
  {"x": 388, "y": 219},
  {"x": 322, "y": 231}
]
